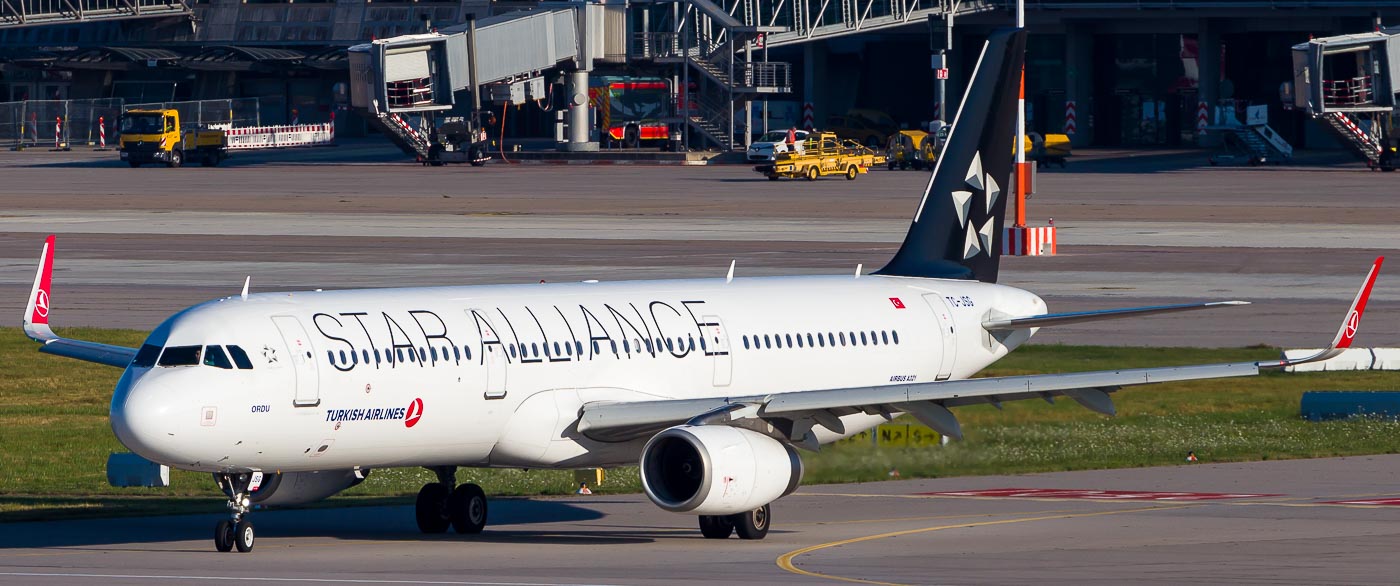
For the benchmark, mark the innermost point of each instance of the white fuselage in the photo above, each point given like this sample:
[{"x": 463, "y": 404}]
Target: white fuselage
[{"x": 496, "y": 375}]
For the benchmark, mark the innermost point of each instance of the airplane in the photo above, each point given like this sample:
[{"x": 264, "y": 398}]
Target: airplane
[{"x": 710, "y": 385}]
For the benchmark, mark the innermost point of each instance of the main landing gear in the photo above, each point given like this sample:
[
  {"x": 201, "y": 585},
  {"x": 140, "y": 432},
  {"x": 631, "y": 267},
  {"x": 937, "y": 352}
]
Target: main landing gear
[
  {"x": 236, "y": 531},
  {"x": 439, "y": 505},
  {"x": 751, "y": 525}
]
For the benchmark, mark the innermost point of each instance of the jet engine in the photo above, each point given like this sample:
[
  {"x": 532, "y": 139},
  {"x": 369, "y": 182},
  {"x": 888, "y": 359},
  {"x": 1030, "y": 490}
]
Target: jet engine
[
  {"x": 297, "y": 488},
  {"x": 717, "y": 469}
]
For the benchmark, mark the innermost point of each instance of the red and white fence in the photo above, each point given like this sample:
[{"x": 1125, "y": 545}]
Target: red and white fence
[
  {"x": 271, "y": 137},
  {"x": 1028, "y": 241},
  {"x": 1071, "y": 118}
]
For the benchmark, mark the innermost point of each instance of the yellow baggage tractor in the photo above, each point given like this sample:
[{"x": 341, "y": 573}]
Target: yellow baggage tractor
[
  {"x": 910, "y": 148},
  {"x": 822, "y": 154}
]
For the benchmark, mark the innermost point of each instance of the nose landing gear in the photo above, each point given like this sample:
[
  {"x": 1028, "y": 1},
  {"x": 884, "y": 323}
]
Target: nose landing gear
[
  {"x": 439, "y": 505},
  {"x": 235, "y": 531}
]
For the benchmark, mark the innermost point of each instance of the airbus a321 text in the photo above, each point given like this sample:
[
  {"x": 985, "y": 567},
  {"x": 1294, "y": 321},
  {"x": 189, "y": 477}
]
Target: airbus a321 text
[{"x": 712, "y": 385}]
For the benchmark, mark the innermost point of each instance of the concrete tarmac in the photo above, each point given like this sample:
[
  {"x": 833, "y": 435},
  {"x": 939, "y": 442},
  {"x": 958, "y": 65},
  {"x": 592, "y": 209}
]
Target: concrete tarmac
[
  {"x": 137, "y": 244},
  {"x": 1280, "y": 522}
]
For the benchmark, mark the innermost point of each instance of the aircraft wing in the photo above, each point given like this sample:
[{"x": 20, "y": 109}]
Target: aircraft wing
[
  {"x": 36, "y": 322},
  {"x": 794, "y": 413}
]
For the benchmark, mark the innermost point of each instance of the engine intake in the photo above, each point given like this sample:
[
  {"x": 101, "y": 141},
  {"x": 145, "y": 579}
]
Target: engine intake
[{"x": 717, "y": 469}]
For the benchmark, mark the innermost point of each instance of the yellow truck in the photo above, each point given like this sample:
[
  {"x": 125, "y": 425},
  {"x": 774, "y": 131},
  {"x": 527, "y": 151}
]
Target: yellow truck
[
  {"x": 822, "y": 154},
  {"x": 156, "y": 136}
]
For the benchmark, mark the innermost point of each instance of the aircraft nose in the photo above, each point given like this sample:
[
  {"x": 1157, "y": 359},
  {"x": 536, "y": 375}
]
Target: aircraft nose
[{"x": 142, "y": 416}]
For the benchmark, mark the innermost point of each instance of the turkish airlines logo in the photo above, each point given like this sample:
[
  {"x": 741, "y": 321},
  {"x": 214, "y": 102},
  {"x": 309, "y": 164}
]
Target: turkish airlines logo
[
  {"x": 41, "y": 303},
  {"x": 897, "y": 303},
  {"x": 415, "y": 412},
  {"x": 1353, "y": 322}
]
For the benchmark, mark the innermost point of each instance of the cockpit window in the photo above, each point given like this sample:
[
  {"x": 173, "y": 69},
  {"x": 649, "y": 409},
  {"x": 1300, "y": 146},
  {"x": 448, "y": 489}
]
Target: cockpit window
[
  {"x": 214, "y": 356},
  {"x": 240, "y": 358},
  {"x": 146, "y": 356},
  {"x": 180, "y": 356}
]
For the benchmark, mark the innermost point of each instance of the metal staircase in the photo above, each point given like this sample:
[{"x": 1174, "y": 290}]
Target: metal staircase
[
  {"x": 1261, "y": 143},
  {"x": 728, "y": 69},
  {"x": 410, "y": 140},
  {"x": 1358, "y": 141}
]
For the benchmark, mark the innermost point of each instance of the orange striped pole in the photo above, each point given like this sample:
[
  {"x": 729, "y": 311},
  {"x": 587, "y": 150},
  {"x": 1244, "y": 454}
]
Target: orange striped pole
[{"x": 1023, "y": 174}]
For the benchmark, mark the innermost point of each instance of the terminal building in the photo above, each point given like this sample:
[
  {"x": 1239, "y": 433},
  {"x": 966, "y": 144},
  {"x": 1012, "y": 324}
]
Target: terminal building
[{"x": 1112, "y": 73}]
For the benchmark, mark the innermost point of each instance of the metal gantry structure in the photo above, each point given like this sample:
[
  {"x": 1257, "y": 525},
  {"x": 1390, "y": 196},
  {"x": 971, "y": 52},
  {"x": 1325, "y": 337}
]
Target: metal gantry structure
[
  {"x": 721, "y": 48},
  {"x": 15, "y": 13}
]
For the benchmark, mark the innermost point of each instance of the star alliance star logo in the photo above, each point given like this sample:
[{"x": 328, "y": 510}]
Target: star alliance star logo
[
  {"x": 270, "y": 354},
  {"x": 977, "y": 240}
]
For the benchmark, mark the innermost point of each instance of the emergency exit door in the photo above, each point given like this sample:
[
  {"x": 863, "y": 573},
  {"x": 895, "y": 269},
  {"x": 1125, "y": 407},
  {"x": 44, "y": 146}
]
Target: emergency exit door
[
  {"x": 717, "y": 347},
  {"x": 299, "y": 353},
  {"x": 948, "y": 334},
  {"x": 493, "y": 355}
]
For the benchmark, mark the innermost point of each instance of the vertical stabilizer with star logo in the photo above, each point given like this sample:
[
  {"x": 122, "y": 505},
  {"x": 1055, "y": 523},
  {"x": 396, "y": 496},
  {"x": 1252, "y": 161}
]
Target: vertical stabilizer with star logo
[{"x": 957, "y": 229}]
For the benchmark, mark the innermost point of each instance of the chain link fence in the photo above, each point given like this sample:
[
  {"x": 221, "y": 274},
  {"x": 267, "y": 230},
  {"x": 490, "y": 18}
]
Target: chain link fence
[
  {"x": 69, "y": 123},
  {"x": 53, "y": 123},
  {"x": 223, "y": 114}
]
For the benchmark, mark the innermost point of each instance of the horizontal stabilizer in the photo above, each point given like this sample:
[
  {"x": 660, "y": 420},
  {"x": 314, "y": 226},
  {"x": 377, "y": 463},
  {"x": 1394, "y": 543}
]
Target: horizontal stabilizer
[{"x": 1059, "y": 319}]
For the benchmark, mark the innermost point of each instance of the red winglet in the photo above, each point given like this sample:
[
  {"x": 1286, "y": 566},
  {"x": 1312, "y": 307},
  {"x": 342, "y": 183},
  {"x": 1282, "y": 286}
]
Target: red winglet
[
  {"x": 1347, "y": 332},
  {"x": 40, "y": 299}
]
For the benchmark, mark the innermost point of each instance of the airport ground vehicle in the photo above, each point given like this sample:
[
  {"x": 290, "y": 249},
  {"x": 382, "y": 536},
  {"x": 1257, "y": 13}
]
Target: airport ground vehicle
[
  {"x": 822, "y": 154},
  {"x": 632, "y": 110},
  {"x": 911, "y": 148},
  {"x": 164, "y": 136},
  {"x": 155, "y": 136},
  {"x": 1049, "y": 149},
  {"x": 770, "y": 145},
  {"x": 866, "y": 127}
]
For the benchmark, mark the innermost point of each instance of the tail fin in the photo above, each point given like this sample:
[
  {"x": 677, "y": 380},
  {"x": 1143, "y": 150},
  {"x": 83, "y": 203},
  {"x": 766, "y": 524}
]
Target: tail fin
[{"x": 957, "y": 229}]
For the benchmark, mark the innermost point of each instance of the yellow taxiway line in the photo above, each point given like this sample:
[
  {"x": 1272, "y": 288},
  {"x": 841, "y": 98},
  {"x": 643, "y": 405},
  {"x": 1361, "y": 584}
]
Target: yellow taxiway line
[{"x": 785, "y": 561}]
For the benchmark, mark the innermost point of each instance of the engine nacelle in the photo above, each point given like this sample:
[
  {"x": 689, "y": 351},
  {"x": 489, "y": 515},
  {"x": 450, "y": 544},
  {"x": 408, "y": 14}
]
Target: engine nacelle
[
  {"x": 298, "y": 488},
  {"x": 717, "y": 469}
]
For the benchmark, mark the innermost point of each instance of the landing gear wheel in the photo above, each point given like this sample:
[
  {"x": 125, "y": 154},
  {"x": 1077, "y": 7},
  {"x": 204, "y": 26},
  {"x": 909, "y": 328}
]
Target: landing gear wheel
[
  {"x": 716, "y": 526},
  {"x": 243, "y": 536},
  {"x": 176, "y": 157},
  {"x": 851, "y": 173},
  {"x": 466, "y": 507},
  {"x": 753, "y": 524},
  {"x": 223, "y": 536},
  {"x": 812, "y": 173},
  {"x": 431, "y": 508}
]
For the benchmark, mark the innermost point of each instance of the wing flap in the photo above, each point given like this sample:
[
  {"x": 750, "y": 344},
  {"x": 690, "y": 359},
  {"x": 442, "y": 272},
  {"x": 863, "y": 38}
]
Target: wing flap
[
  {"x": 1059, "y": 319},
  {"x": 627, "y": 420},
  {"x": 118, "y": 356}
]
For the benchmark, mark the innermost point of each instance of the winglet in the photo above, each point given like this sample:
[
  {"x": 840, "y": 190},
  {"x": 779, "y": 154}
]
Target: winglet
[
  {"x": 36, "y": 313},
  {"x": 1350, "y": 324}
]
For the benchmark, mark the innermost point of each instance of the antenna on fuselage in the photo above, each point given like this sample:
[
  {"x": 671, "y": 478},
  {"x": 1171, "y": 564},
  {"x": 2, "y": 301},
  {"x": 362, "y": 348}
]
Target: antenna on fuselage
[
  {"x": 246, "y": 280},
  {"x": 730, "y": 276}
]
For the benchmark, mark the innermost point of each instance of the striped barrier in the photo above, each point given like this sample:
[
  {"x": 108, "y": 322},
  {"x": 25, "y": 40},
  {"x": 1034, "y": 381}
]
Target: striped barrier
[
  {"x": 1071, "y": 118},
  {"x": 1202, "y": 117},
  {"x": 809, "y": 122},
  {"x": 1028, "y": 241},
  {"x": 264, "y": 137}
]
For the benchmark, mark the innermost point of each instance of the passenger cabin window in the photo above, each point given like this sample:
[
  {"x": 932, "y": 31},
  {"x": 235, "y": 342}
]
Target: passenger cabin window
[
  {"x": 240, "y": 358},
  {"x": 214, "y": 356},
  {"x": 146, "y": 356},
  {"x": 180, "y": 356}
]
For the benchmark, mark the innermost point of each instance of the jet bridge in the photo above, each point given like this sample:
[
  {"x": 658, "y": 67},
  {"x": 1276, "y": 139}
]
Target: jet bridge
[
  {"x": 1349, "y": 82},
  {"x": 393, "y": 79}
]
